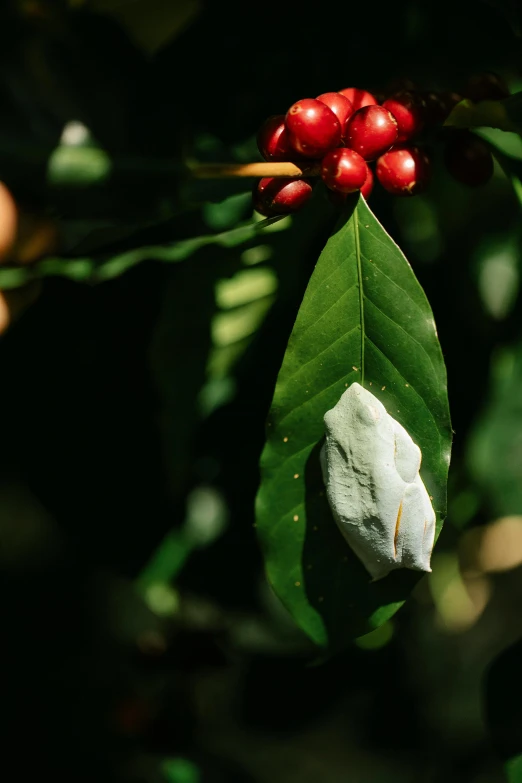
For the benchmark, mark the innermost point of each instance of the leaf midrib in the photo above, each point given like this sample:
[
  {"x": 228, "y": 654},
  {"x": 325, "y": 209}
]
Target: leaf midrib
[{"x": 360, "y": 279}]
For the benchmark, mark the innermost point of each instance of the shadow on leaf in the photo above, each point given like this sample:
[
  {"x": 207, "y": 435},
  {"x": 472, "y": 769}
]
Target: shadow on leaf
[{"x": 336, "y": 583}]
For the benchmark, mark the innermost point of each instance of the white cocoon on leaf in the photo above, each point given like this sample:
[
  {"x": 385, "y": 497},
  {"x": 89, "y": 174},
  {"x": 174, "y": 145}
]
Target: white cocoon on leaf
[{"x": 371, "y": 471}]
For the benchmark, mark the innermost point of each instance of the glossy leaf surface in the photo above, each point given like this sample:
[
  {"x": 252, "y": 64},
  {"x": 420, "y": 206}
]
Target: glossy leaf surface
[{"x": 364, "y": 318}]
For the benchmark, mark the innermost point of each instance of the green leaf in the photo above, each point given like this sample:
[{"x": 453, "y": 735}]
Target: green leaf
[
  {"x": 494, "y": 452},
  {"x": 514, "y": 770},
  {"x": 507, "y": 149},
  {"x": 96, "y": 270},
  {"x": 364, "y": 318},
  {"x": 506, "y": 115},
  {"x": 80, "y": 166},
  {"x": 179, "y": 770}
]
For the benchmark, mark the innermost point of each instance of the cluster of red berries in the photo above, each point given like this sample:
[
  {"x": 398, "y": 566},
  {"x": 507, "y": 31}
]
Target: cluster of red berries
[{"x": 345, "y": 131}]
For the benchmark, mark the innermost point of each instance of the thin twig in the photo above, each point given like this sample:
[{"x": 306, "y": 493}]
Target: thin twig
[{"x": 225, "y": 170}]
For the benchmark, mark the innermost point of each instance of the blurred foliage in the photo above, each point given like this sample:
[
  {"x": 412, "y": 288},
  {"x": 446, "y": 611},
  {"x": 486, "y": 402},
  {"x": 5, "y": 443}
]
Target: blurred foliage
[
  {"x": 505, "y": 115},
  {"x": 495, "y": 446},
  {"x": 142, "y": 641}
]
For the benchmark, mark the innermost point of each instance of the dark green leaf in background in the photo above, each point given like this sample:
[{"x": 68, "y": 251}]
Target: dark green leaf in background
[
  {"x": 364, "y": 318},
  {"x": 506, "y": 115},
  {"x": 513, "y": 769},
  {"x": 494, "y": 453},
  {"x": 98, "y": 269}
]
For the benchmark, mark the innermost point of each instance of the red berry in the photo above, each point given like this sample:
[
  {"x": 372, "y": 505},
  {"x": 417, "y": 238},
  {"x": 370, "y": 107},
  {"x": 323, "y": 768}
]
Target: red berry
[
  {"x": 468, "y": 159},
  {"x": 486, "y": 87},
  {"x": 358, "y": 98},
  {"x": 272, "y": 140},
  {"x": 312, "y": 127},
  {"x": 371, "y": 131},
  {"x": 280, "y": 196},
  {"x": 404, "y": 171},
  {"x": 408, "y": 111},
  {"x": 450, "y": 100},
  {"x": 338, "y": 199},
  {"x": 367, "y": 188},
  {"x": 344, "y": 170},
  {"x": 401, "y": 84},
  {"x": 340, "y": 105},
  {"x": 435, "y": 109}
]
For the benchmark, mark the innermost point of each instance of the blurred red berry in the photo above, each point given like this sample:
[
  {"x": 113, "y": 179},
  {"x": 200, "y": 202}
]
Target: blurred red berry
[
  {"x": 486, "y": 87},
  {"x": 449, "y": 100},
  {"x": 468, "y": 159},
  {"x": 435, "y": 109},
  {"x": 401, "y": 84}
]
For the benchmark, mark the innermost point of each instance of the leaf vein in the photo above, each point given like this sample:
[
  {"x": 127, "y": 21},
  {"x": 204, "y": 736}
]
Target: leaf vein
[
  {"x": 419, "y": 395},
  {"x": 309, "y": 399},
  {"x": 317, "y": 355},
  {"x": 325, "y": 312},
  {"x": 413, "y": 339}
]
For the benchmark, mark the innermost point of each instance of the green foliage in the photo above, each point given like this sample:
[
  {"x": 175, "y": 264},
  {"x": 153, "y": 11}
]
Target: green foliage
[
  {"x": 180, "y": 771},
  {"x": 143, "y": 641},
  {"x": 514, "y": 769},
  {"x": 96, "y": 269},
  {"x": 495, "y": 446},
  {"x": 506, "y": 115},
  {"x": 364, "y": 318}
]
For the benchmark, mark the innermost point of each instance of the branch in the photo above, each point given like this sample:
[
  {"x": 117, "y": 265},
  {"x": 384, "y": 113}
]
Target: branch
[{"x": 225, "y": 170}]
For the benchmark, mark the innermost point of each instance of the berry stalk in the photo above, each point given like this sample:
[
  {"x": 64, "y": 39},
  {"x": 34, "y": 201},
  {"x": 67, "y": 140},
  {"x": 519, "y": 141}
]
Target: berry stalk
[{"x": 278, "y": 169}]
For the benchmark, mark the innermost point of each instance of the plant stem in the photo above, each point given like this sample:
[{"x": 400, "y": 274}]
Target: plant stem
[{"x": 225, "y": 170}]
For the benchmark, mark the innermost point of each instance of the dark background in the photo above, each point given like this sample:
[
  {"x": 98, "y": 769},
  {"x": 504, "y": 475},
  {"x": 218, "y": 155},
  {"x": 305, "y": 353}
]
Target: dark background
[{"x": 142, "y": 642}]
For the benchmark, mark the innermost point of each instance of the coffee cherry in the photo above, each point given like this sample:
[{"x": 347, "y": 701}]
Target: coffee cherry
[
  {"x": 280, "y": 196},
  {"x": 403, "y": 170},
  {"x": 468, "y": 159},
  {"x": 358, "y": 98},
  {"x": 313, "y": 128},
  {"x": 24, "y": 236},
  {"x": 344, "y": 170},
  {"x": 435, "y": 109},
  {"x": 340, "y": 105},
  {"x": 272, "y": 140},
  {"x": 15, "y": 301},
  {"x": 450, "y": 100},
  {"x": 486, "y": 87},
  {"x": 9, "y": 221},
  {"x": 37, "y": 236},
  {"x": 408, "y": 112},
  {"x": 338, "y": 199},
  {"x": 371, "y": 131},
  {"x": 367, "y": 188},
  {"x": 400, "y": 84}
]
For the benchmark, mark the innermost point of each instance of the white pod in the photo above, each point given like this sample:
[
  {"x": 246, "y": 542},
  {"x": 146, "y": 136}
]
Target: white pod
[{"x": 371, "y": 471}]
